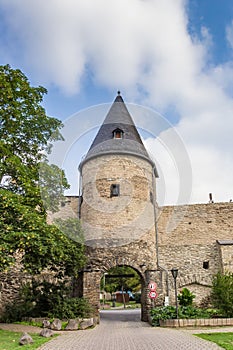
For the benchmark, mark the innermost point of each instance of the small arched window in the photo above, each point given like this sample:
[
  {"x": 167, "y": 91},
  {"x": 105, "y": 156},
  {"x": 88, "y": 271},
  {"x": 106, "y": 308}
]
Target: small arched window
[{"x": 118, "y": 133}]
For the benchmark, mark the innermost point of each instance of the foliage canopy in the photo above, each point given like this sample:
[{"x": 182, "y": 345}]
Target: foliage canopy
[
  {"x": 116, "y": 284},
  {"x": 26, "y": 136}
]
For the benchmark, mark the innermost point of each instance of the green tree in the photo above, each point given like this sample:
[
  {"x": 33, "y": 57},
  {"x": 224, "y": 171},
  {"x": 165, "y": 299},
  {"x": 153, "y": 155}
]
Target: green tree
[
  {"x": 222, "y": 293},
  {"x": 25, "y": 133},
  {"x": 29, "y": 185},
  {"x": 128, "y": 283}
]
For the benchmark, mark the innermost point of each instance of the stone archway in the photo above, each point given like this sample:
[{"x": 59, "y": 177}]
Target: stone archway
[
  {"x": 90, "y": 285},
  {"x": 102, "y": 260}
]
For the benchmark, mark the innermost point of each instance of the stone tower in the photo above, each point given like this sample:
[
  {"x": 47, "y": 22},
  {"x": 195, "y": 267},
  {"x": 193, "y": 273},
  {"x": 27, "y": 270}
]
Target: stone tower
[{"x": 118, "y": 205}]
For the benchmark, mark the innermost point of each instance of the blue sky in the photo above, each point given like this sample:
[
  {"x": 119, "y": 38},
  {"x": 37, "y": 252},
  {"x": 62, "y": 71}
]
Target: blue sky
[
  {"x": 172, "y": 56},
  {"x": 215, "y": 15}
]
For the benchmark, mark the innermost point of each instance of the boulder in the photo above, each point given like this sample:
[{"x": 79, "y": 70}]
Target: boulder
[
  {"x": 46, "y": 323},
  {"x": 86, "y": 323},
  {"x": 56, "y": 325},
  {"x": 25, "y": 339},
  {"x": 46, "y": 333},
  {"x": 72, "y": 325}
]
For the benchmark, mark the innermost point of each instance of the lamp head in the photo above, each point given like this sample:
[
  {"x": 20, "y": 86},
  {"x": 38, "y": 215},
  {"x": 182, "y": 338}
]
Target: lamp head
[{"x": 174, "y": 272}]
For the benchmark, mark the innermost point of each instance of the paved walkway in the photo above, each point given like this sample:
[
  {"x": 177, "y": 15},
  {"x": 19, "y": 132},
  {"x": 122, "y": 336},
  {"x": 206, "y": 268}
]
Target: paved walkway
[{"x": 123, "y": 330}]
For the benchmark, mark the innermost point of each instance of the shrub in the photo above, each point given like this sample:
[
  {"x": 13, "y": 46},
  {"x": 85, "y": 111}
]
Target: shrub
[
  {"x": 44, "y": 299},
  {"x": 162, "y": 313},
  {"x": 222, "y": 293},
  {"x": 71, "y": 308},
  {"x": 169, "y": 312},
  {"x": 186, "y": 297},
  {"x": 16, "y": 310},
  {"x": 193, "y": 312}
]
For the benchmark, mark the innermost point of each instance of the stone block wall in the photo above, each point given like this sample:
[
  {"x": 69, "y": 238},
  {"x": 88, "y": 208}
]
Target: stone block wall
[
  {"x": 10, "y": 284},
  {"x": 226, "y": 254},
  {"x": 118, "y": 219},
  {"x": 68, "y": 209},
  {"x": 197, "y": 239},
  {"x": 195, "y": 223}
]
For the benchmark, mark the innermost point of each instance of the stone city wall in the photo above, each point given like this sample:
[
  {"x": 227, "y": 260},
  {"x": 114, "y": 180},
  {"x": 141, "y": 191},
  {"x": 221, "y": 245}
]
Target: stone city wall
[
  {"x": 195, "y": 223},
  {"x": 10, "y": 284},
  {"x": 189, "y": 239},
  {"x": 197, "y": 239}
]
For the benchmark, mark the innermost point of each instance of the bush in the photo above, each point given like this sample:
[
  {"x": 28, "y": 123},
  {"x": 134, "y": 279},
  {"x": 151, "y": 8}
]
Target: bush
[
  {"x": 71, "y": 308},
  {"x": 193, "y": 312},
  {"x": 169, "y": 312},
  {"x": 162, "y": 313},
  {"x": 186, "y": 297},
  {"x": 222, "y": 293},
  {"x": 44, "y": 299},
  {"x": 16, "y": 310}
]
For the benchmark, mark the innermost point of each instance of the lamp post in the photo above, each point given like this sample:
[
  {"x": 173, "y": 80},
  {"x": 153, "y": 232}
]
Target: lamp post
[
  {"x": 104, "y": 282},
  {"x": 174, "y": 272}
]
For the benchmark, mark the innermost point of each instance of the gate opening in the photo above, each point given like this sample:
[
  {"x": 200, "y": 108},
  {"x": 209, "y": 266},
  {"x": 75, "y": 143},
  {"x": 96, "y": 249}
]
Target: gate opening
[{"x": 121, "y": 288}]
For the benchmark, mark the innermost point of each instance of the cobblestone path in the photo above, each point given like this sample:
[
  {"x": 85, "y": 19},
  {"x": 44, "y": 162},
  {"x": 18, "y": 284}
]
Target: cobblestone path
[{"x": 123, "y": 330}]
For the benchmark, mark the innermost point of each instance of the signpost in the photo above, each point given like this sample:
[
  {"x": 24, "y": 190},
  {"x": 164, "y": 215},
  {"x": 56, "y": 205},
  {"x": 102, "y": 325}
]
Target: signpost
[{"x": 152, "y": 287}]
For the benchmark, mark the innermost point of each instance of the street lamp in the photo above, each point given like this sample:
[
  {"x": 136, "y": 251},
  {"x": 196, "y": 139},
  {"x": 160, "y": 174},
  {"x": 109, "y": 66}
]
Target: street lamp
[
  {"x": 174, "y": 272},
  {"x": 104, "y": 282}
]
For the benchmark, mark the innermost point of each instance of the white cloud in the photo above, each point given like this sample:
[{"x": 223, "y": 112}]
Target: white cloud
[
  {"x": 137, "y": 45},
  {"x": 119, "y": 41}
]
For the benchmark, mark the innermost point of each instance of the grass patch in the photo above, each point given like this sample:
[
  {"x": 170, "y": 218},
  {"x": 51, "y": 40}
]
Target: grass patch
[
  {"x": 133, "y": 306},
  {"x": 30, "y": 323},
  {"x": 10, "y": 341},
  {"x": 225, "y": 340}
]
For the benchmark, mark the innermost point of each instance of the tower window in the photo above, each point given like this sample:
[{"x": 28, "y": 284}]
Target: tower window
[
  {"x": 118, "y": 134},
  {"x": 205, "y": 265},
  {"x": 114, "y": 190}
]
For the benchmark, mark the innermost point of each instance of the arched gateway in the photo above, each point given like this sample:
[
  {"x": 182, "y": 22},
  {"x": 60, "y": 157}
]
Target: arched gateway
[{"x": 118, "y": 206}]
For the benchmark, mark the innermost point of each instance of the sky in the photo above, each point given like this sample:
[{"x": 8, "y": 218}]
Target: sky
[{"x": 172, "y": 60}]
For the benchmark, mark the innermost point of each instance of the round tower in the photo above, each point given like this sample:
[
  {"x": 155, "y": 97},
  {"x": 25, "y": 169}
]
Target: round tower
[{"x": 118, "y": 206}]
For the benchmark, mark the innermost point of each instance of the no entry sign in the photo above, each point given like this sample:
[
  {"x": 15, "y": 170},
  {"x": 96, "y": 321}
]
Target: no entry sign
[{"x": 152, "y": 286}]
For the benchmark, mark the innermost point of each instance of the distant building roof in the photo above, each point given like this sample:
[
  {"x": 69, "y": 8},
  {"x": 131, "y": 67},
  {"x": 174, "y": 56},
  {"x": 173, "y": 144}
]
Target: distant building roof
[{"x": 118, "y": 119}]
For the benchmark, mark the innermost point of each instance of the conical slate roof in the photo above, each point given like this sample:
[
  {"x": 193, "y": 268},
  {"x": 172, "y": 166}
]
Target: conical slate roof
[{"x": 117, "y": 119}]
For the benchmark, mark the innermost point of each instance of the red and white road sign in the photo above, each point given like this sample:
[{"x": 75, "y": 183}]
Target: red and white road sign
[
  {"x": 152, "y": 286},
  {"x": 153, "y": 294}
]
